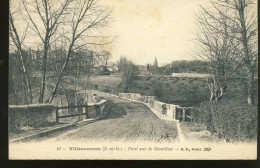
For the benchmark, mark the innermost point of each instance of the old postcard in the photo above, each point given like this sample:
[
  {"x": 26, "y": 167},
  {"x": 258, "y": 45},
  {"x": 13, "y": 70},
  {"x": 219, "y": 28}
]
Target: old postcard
[{"x": 133, "y": 79}]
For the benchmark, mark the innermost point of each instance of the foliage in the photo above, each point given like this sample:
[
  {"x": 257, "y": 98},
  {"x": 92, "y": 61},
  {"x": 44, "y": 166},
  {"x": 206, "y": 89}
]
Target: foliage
[
  {"x": 29, "y": 115},
  {"x": 157, "y": 88},
  {"x": 181, "y": 91},
  {"x": 183, "y": 66},
  {"x": 195, "y": 66},
  {"x": 227, "y": 39},
  {"x": 81, "y": 64},
  {"x": 230, "y": 119},
  {"x": 59, "y": 36}
]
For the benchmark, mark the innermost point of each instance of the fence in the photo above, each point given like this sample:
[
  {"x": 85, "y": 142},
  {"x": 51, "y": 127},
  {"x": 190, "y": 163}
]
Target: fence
[
  {"x": 90, "y": 110},
  {"x": 37, "y": 114}
]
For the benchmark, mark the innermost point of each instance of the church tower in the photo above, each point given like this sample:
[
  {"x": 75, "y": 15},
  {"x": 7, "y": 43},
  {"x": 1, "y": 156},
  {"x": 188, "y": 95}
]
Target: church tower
[{"x": 155, "y": 64}]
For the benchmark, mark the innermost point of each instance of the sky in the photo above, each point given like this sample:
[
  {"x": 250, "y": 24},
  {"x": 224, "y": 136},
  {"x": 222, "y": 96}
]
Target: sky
[{"x": 147, "y": 29}]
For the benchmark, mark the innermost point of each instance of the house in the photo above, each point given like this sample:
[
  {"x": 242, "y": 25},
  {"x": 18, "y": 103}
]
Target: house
[
  {"x": 142, "y": 67},
  {"x": 102, "y": 70},
  {"x": 112, "y": 67}
]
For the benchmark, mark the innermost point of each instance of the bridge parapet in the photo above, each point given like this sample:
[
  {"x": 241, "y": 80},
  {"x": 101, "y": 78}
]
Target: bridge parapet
[
  {"x": 171, "y": 110},
  {"x": 132, "y": 96}
]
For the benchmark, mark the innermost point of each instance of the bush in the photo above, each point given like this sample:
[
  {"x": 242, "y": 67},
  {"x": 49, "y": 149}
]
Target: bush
[
  {"x": 231, "y": 119},
  {"x": 106, "y": 89},
  {"x": 30, "y": 115},
  {"x": 147, "y": 78}
]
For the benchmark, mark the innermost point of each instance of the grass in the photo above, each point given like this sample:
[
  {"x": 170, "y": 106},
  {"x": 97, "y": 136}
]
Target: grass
[
  {"x": 194, "y": 131},
  {"x": 106, "y": 80},
  {"x": 180, "y": 91}
]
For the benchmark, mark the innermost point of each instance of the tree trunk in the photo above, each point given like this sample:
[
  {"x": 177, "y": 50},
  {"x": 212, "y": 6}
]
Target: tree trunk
[
  {"x": 126, "y": 89},
  {"x": 76, "y": 87},
  {"x": 61, "y": 103},
  {"x": 25, "y": 94},
  {"x": 67, "y": 99},
  {"x": 250, "y": 93},
  {"x": 211, "y": 96},
  {"x": 12, "y": 88},
  {"x": 44, "y": 61},
  {"x": 61, "y": 74},
  {"x": 250, "y": 99},
  {"x": 221, "y": 92},
  {"x": 26, "y": 78},
  {"x": 19, "y": 47},
  {"x": 211, "y": 89}
]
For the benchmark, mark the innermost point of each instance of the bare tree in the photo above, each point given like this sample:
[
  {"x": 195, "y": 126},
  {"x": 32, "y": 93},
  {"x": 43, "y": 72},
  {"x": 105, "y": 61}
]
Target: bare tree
[
  {"x": 129, "y": 72},
  {"x": 18, "y": 40},
  {"x": 229, "y": 29},
  {"x": 86, "y": 17},
  {"x": 219, "y": 50},
  {"x": 248, "y": 35},
  {"x": 102, "y": 57},
  {"x": 158, "y": 88},
  {"x": 45, "y": 17},
  {"x": 106, "y": 56},
  {"x": 81, "y": 64}
]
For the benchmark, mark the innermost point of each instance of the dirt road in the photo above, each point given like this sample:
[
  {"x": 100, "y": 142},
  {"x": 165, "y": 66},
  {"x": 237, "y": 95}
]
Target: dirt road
[{"x": 126, "y": 121}]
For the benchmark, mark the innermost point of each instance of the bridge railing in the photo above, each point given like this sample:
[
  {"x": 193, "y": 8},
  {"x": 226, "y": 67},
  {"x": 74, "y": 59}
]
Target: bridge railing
[
  {"x": 89, "y": 110},
  {"x": 58, "y": 116},
  {"x": 171, "y": 110},
  {"x": 35, "y": 115}
]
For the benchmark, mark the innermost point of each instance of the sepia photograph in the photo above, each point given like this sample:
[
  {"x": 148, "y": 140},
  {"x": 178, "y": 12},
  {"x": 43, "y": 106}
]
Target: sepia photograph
[{"x": 133, "y": 80}]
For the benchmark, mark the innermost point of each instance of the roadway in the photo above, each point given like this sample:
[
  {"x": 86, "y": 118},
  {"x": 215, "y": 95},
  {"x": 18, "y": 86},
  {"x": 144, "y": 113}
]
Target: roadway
[{"x": 127, "y": 122}]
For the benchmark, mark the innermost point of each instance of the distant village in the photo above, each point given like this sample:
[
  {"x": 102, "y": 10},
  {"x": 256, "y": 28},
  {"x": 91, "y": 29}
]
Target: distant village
[{"x": 154, "y": 69}]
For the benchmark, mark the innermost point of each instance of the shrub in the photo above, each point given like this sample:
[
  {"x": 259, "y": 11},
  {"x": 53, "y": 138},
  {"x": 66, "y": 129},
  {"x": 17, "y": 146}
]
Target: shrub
[
  {"x": 106, "y": 89},
  {"x": 147, "y": 78},
  {"x": 231, "y": 119},
  {"x": 29, "y": 115}
]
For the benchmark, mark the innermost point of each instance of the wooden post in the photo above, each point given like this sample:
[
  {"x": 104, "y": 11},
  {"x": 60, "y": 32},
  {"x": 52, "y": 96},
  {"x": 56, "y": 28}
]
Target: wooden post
[
  {"x": 174, "y": 114},
  {"x": 57, "y": 115},
  {"x": 87, "y": 111},
  {"x": 177, "y": 114},
  {"x": 183, "y": 117}
]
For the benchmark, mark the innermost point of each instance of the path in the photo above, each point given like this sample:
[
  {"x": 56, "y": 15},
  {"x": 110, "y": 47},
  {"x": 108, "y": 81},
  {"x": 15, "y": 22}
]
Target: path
[{"x": 127, "y": 121}]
